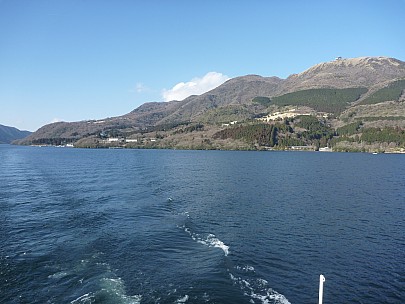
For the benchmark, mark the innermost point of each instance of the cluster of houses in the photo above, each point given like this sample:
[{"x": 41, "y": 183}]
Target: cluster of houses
[
  {"x": 122, "y": 140},
  {"x": 126, "y": 140}
]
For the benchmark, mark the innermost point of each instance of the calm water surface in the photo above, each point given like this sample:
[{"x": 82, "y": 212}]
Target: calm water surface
[{"x": 161, "y": 226}]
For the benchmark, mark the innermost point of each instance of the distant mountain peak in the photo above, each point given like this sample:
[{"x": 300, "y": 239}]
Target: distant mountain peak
[
  {"x": 347, "y": 72},
  {"x": 369, "y": 61},
  {"x": 8, "y": 134},
  {"x": 234, "y": 99},
  {"x": 357, "y": 62}
]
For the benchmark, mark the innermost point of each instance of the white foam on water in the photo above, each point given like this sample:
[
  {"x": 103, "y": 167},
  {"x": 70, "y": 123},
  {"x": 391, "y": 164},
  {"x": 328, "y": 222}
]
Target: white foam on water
[
  {"x": 58, "y": 275},
  {"x": 86, "y": 298},
  {"x": 106, "y": 286},
  {"x": 112, "y": 291},
  {"x": 246, "y": 268},
  {"x": 261, "y": 292},
  {"x": 272, "y": 296},
  {"x": 183, "y": 299},
  {"x": 212, "y": 241},
  {"x": 209, "y": 240}
]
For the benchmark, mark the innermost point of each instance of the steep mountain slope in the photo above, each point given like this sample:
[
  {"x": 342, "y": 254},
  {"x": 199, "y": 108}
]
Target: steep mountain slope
[
  {"x": 346, "y": 73},
  {"x": 364, "y": 72},
  {"x": 358, "y": 78},
  {"x": 8, "y": 134},
  {"x": 236, "y": 91}
]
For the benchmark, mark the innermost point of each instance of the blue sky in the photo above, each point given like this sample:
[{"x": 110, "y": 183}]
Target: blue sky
[{"x": 75, "y": 60}]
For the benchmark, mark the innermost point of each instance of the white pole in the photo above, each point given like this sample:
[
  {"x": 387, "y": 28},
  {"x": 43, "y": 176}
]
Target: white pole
[{"x": 321, "y": 280}]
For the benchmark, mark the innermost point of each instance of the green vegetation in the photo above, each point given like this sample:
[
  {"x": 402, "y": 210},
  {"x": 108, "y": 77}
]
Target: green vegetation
[
  {"x": 317, "y": 132},
  {"x": 262, "y": 134},
  {"x": 322, "y": 100},
  {"x": 391, "y": 92},
  {"x": 377, "y": 118},
  {"x": 388, "y": 135},
  {"x": 163, "y": 127},
  {"x": 264, "y": 101},
  {"x": 312, "y": 133},
  {"x": 315, "y": 129},
  {"x": 349, "y": 129},
  {"x": 290, "y": 140},
  {"x": 226, "y": 114},
  {"x": 189, "y": 129},
  {"x": 370, "y": 140}
]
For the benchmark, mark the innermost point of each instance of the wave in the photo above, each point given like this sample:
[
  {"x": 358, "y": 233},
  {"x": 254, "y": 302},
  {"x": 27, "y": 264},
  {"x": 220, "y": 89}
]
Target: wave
[
  {"x": 212, "y": 241},
  {"x": 58, "y": 275},
  {"x": 246, "y": 268},
  {"x": 183, "y": 299},
  {"x": 208, "y": 239},
  {"x": 244, "y": 276},
  {"x": 112, "y": 291},
  {"x": 256, "y": 288},
  {"x": 98, "y": 282}
]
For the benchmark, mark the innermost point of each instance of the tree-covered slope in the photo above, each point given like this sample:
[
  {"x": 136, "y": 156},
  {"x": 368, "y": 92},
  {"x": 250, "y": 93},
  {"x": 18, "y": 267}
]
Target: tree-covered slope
[
  {"x": 392, "y": 92},
  {"x": 351, "y": 89},
  {"x": 9, "y": 134},
  {"x": 322, "y": 100}
]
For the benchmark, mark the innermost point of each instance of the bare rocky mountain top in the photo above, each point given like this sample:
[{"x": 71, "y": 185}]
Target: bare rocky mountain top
[
  {"x": 236, "y": 99},
  {"x": 346, "y": 73}
]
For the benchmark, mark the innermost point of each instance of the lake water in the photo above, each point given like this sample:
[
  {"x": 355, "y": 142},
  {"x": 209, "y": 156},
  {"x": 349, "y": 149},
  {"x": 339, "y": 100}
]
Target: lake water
[{"x": 164, "y": 226}]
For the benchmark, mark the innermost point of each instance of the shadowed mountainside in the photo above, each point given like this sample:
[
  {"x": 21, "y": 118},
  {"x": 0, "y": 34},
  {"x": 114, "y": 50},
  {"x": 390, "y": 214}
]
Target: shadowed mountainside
[{"x": 9, "y": 134}]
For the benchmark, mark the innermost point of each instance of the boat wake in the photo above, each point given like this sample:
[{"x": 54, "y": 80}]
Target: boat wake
[
  {"x": 207, "y": 239},
  {"x": 111, "y": 291},
  {"x": 245, "y": 277},
  {"x": 258, "y": 290},
  {"x": 97, "y": 282}
]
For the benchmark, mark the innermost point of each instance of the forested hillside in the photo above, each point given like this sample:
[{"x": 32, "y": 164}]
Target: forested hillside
[
  {"x": 353, "y": 104},
  {"x": 9, "y": 134},
  {"x": 322, "y": 100}
]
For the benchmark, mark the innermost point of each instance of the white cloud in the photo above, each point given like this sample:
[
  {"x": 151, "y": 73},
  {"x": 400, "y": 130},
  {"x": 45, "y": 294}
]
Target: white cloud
[{"x": 196, "y": 86}]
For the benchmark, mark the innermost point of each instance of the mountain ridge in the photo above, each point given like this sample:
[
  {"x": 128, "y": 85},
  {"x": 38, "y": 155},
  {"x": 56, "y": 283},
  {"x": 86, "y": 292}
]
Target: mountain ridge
[
  {"x": 235, "y": 99},
  {"x": 9, "y": 134}
]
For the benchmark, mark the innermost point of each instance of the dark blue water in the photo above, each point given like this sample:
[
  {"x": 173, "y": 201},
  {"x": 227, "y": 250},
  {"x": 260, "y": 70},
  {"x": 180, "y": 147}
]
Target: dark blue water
[{"x": 161, "y": 226}]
